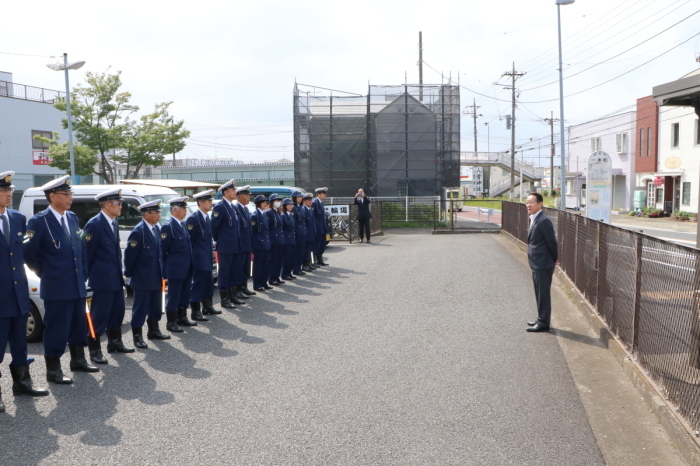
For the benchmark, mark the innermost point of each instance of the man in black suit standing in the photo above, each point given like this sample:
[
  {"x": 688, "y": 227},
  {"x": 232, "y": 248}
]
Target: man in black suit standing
[
  {"x": 363, "y": 214},
  {"x": 542, "y": 251}
]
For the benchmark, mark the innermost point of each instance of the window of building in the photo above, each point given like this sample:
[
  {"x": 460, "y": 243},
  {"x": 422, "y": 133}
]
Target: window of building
[
  {"x": 686, "y": 193},
  {"x": 595, "y": 144},
  {"x": 650, "y": 193},
  {"x": 504, "y": 172},
  {"x": 648, "y": 142},
  {"x": 40, "y": 145},
  {"x": 40, "y": 180},
  {"x": 641, "y": 142},
  {"x": 675, "y": 134},
  {"x": 621, "y": 143},
  {"x": 659, "y": 195}
]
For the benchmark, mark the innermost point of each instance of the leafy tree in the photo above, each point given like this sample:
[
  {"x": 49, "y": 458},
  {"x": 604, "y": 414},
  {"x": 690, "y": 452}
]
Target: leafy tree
[
  {"x": 85, "y": 157},
  {"x": 149, "y": 140}
]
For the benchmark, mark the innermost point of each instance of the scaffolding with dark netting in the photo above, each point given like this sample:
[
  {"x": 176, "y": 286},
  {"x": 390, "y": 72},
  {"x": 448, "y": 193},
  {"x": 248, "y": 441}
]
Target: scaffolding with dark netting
[{"x": 395, "y": 141}]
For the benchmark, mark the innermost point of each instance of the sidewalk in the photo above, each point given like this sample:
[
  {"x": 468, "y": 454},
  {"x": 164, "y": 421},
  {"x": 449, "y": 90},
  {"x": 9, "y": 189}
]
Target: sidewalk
[{"x": 654, "y": 223}]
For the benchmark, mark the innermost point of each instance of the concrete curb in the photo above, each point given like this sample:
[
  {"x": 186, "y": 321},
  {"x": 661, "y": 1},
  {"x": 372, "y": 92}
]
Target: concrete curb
[{"x": 675, "y": 426}]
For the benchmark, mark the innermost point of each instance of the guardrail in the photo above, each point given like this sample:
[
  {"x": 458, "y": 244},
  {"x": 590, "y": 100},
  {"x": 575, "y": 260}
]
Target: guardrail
[{"x": 24, "y": 92}]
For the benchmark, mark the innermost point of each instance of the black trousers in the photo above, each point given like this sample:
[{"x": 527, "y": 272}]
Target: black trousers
[
  {"x": 364, "y": 227},
  {"x": 542, "y": 279}
]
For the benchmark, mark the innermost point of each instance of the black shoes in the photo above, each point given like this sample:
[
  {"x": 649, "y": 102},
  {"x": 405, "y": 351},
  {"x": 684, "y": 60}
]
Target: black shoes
[
  {"x": 537, "y": 328},
  {"x": 246, "y": 291},
  {"x": 532, "y": 324},
  {"x": 78, "y": 363},
  {"x": 233, "y": 296},
  {"x": 268, "y": 287},
  {"x": 154, "y": 332},
  {"x": 225, "y": 300},
  {"x": 261, "y": 289},
  {"x": 320, "y": 260},
  {"x": 197, "y": 312},
  {"x": 172, "y": 322},
  {"x": 182, "y": 318},
  {"x": 95, "y": 347},
  {"x": 208, "y": 307},
  {"x": 138, "y": 336},
  {"x": 22, "y": 382},
  {"x": 115, "y": 343},
  {"x": 53, "y": 371},
  {"x": 301, "y": 272}
]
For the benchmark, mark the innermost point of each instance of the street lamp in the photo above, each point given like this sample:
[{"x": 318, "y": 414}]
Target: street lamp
[
  {"x": 65, "y": 67},
  {"x": 561, "y": 105}
]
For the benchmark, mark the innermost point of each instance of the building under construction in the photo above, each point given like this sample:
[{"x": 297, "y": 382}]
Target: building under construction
[{"x": 395, "y": 141}]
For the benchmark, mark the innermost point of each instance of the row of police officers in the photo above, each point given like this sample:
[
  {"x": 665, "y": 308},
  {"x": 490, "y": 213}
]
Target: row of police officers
[{"x": 283, "y": 238}]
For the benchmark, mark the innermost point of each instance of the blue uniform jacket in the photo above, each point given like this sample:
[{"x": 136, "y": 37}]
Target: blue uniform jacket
[
  {"x": 244, "y": 228},
  {"x": 104, "y": 255},
  {"x": 310, "y": 224},
  {"x": 261, "y": 231},
  {"x": 275, "y": 222},
  {"x": 142, "y": 260},
  {"x": 319, "y": 216},
  {"x": 201, "y": 240},
  {"x": 224, "y": 228},
  {"x": 300, "y": 220},
  {"x": 60, "y": 262},
  {"x": 176, "y": 249},
  {"x": 288, "y": 225},
  {"x": 13, "y": 278}
]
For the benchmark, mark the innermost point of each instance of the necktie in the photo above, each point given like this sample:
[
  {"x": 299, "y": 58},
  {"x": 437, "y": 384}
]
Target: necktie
[
  {"x": 5, "y": 228},
  {"x": 65, "y": 228},
  {"x": 115, "y": 228}
]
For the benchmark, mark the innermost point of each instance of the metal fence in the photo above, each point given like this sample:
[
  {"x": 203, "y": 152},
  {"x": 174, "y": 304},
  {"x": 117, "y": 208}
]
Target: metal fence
[
  {"x": 474, "y": 215},
  {"x": 36, "y": 94},
  {"x": 346, "y": 227},
  {"x": 645, "y": 289}
]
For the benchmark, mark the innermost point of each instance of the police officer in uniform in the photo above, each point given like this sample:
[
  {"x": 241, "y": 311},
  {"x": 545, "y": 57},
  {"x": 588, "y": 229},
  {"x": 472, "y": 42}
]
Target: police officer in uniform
[
  {"x": 300, "y": 231},
  {"x": 104, "y": 270},
  {"x": 143, "y": 269},
  {"x": 310, "y": 233},
  {"x": 177, "y": 265},
  {"x": 54, "y": 251},
  {"x": 261, "y": 244},
  {"x": 225, "y": 231},
  {"x": 199, "y": 228},
  {"x": 289, "y": 228},
  {"x": 243, "y": 199},
  {"x": 274, "y": 220},
  {"x": 15, "y": 294},
  {"x": 320, "y": 221}
]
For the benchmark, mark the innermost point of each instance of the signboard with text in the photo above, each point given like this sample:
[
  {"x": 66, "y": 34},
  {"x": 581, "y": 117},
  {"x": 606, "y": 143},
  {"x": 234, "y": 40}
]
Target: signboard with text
[
  {"x": 40, "y": 157},
  {"x": 599, "y": 186},
  {"x": 337, "y": 210},
  {"x": 478, "y": 174}
]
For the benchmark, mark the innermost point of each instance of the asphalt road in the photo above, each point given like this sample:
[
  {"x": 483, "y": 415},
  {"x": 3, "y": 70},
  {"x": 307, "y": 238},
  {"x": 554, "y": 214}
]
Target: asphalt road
[{"x": 409, "y": 350}]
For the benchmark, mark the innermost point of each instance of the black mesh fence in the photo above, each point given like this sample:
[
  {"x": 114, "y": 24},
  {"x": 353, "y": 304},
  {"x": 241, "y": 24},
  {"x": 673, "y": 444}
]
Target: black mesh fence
[
  {"x": 346, "y": 227},
  {"x": 644, "y": 288}
]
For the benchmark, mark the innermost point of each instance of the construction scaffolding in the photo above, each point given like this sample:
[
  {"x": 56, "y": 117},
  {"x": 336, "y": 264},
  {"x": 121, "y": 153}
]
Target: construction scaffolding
[{"x": 395, "y": 141}]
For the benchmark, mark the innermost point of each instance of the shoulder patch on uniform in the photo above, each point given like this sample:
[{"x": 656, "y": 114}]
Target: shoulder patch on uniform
[
  {"x": 190, "y": 227},
  {"x": 133, "y": 243},
  {"x": 88, "y": 236},
  {"x": 30, "y": 234},
  {"x": 163, "y": 235},
  {"x": 215, "y": 214}
]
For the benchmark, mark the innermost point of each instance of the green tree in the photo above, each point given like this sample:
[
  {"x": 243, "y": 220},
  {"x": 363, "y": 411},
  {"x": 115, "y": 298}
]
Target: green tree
[
  {"x": 100, "y": 118},
  {"x": 85, "y": 157},
  {"x": 149, "y": 140}
]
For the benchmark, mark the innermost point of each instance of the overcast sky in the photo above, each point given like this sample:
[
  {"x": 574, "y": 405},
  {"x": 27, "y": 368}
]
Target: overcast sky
[{"x": 230, "y": 67}]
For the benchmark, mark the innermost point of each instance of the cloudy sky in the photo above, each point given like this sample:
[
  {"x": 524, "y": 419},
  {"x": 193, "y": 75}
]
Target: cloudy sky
[{"x": 230, "y": 67}]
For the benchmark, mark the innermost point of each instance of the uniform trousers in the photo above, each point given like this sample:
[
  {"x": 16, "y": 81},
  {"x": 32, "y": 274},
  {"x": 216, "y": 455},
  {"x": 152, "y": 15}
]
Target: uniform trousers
[
  {"x": 288, "y": 260},
  {"x": 147, "y": 303},
  {"x": 178, "y": 293},
  {"x": 276, "y": 256},
  {"x": 299, "y": 253},
  {"x": 308, "y": 247},
  {"x": 320, "y": 244},
  {"x": 245, "y": 268},
  {"x": 65, "y": 323},
  {"x": 13, "y": 330},
  {"x": 261, "y": 267},
  {"x": 107, "y": 310},
  {"x": 542, "y": 279},
  {"x": 202, "y": 285},
  {"x": 227, "y": 271}
]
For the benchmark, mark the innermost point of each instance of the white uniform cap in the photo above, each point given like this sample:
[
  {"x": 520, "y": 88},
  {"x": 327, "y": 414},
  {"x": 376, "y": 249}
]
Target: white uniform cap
[
  {"x": 321, "y": 190},
  {"x": 228, "y": 184},
  {"x": 243, "y": 190},
  {"x": 206, "y": 193},
  {"x": 179, "y": 201},
  {"x": 6, "y": 179},
  {"x": 150, "y": 205},
  {"x": 109, "y": 195},
  {"x": 59, "y": 184}
]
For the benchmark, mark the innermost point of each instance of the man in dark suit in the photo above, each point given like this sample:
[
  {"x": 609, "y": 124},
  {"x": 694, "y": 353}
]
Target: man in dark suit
[
  {"x": 143, "y": 268},
  {"x": 542, "y": 252},
  {"x": 104, "y": 271},
  {"x": 53, "y": 239},
  {"x": 199, "y": 227},
  {"x": 363, "y": 213},
  {"x": 15, "y": 294}
]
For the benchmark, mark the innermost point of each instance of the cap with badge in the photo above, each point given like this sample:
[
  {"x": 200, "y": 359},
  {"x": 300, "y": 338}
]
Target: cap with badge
[
  {"x": 111, "y": 195},
  {"x": 321, "y": 190},
  {"x": 259, "y": 198},
  {"x": 59, "y": 184},
  {"x": 296, "y": 193},
  {"x": 274, "y": 197},
  {"x": 204, "y": 195},
  {"x": 227, "y": 185},
  {"x": 307, "y": 196},
  {"x": 6, "y": 179},
  {"x": 243, "y": 190},
  {"x": 287, "y": 201},
  {"x": 179, "y": 201},
  {"x": 150, "y": 206}
]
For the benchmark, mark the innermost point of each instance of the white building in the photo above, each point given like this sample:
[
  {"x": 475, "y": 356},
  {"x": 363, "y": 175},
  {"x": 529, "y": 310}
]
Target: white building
[
  {"x": 26, "y": 111},
  {"x": 613, "y": 135}
]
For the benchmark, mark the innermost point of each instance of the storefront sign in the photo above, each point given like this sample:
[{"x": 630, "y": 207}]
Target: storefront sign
[{"x": 39, "y": 157}]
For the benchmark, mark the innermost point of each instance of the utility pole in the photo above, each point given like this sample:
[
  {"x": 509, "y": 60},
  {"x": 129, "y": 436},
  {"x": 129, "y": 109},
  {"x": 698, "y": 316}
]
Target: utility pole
[
  {"x": 514, "y": 75},
  {"x": 420, "y": 65},
  {"x": 474, "y": 114},
  {"x": 550, "y": 121}
]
